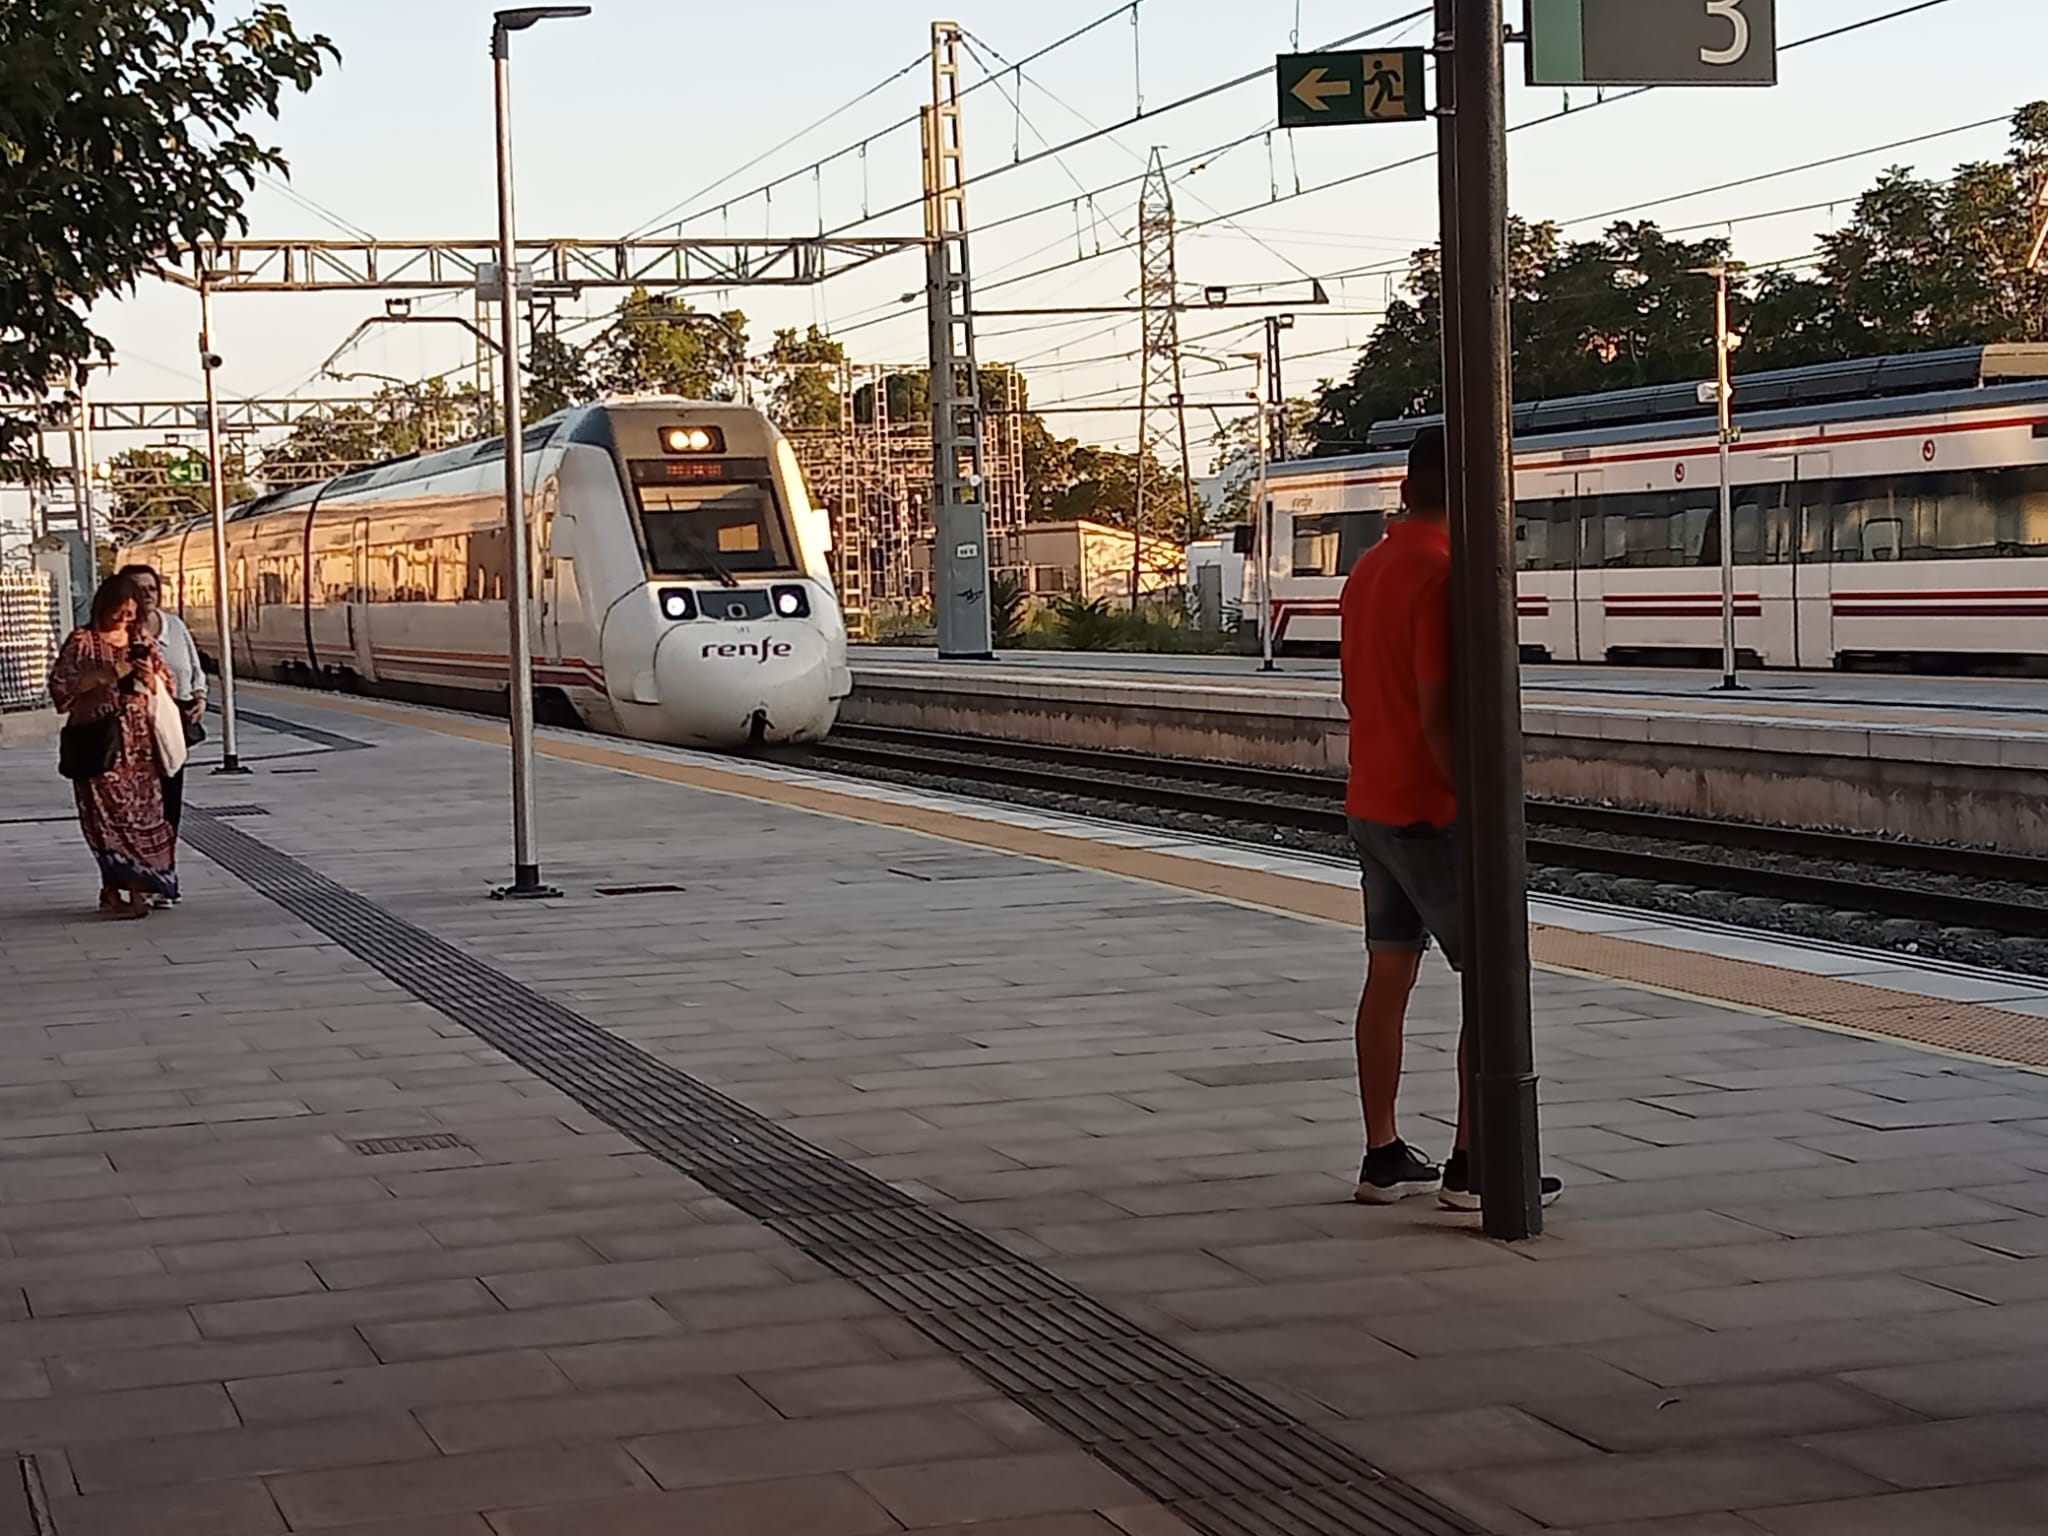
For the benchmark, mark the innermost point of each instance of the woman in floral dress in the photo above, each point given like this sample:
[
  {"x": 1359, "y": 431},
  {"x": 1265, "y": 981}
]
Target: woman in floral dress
[{"x": 109, "y": 668}]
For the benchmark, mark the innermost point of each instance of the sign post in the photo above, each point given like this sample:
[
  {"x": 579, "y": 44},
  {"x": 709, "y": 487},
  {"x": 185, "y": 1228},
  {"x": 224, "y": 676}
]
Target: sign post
[{"x": 1652, "y": 42}]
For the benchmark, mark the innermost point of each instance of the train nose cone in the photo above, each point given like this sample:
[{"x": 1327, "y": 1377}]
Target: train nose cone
[{"x": 716, "y": 683}]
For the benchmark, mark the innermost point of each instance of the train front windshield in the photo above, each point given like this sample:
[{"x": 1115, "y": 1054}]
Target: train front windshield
[{"x": 730, "y": 525}]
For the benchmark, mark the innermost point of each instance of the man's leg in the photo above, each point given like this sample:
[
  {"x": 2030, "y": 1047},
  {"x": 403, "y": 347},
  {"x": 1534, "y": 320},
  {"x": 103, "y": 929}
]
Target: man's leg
[
  {"x": 1395, "y": 939},
  {"x": 1382, "y": 1013}
]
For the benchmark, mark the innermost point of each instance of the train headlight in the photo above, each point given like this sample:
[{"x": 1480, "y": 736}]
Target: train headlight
[
  {"x": 792, "y": 602},
  {"x": 693, "y": 439},
  {"x": 678, "y": 603}
]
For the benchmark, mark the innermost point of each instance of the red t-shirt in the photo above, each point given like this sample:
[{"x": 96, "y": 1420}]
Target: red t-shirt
[{"x": 1396, "y": 637}]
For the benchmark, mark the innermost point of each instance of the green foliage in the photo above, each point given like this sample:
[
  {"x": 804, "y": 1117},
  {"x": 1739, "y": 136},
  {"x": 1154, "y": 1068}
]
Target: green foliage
[
  {"x": 1236, "y": 460},
  {"x": 1008, "y": 607},
  {"x": 121, "y": 144},
  {"x": 1084, "y": 623},
  {"x": 405, "y": 419},
  {"x": 145, "y": 496},
  {"x": 803, "y": 371},
  {"x": 660, "y": 345},
  {"x": 557, "y": 377},
  {"x": 1073, "y": 623},
  {"x": 1920, "y": 264}
]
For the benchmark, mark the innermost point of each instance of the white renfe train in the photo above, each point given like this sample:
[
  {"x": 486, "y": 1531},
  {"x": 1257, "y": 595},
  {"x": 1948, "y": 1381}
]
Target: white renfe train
[
  {"x": 1890, "y": 514},
  {"x": 680, "y": 588}
]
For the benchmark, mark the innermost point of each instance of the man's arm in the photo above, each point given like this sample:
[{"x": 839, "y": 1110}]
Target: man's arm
[
  {"x": 1433, "y": 672},
  {"x": 1435, "y": 702}
]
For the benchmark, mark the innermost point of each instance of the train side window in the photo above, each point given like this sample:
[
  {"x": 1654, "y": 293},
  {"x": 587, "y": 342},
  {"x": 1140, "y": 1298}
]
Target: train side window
[
  {"x": 2019, "y": 501},
  {"x": 1882, "y": 538},
  {"x": 1544, "y": 534},
  {"x": 1317, "y": 540},
  {"x": 1965, "y": 520},
  {"x": 1360, "y": 531}
]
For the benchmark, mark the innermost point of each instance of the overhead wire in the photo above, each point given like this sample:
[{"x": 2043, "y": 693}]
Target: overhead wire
[
  {"x": 767, "y": 187},
  {"x": 775, "y": 149},
  {"x": 1427, "y": 156}
]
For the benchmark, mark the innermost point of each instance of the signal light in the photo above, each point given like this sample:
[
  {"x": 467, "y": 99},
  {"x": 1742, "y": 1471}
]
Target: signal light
[{"x": 692, "y": 440}]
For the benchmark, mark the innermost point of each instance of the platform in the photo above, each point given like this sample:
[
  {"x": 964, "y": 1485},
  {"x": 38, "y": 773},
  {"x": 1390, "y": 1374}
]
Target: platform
[
  {"x": 841, "y": 1160},
  {"x": 1939, "y": 760}
]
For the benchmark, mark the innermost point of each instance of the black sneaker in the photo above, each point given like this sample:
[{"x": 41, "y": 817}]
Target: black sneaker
[
  {"x": 1394, "y": 1172},
  {"x": 1460, "y": 1193}
]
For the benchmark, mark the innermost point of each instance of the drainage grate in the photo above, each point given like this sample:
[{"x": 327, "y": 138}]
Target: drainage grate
[
  {"x": 382, "y": 1146},
  {"x": 662, "y": 889},
  {"x": 1225, "y": 1459},
  {"x": 234, "y": 810}
]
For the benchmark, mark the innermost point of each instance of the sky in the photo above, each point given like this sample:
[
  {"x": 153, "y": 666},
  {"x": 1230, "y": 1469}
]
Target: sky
[{"x": 651, "y": 105}]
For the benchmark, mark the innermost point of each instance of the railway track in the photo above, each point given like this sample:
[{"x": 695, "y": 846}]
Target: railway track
[{"x": 1884, "y": 877}]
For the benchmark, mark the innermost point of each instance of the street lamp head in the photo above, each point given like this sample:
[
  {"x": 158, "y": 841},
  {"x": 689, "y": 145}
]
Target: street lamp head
[
  {"x": 505, "y": 23},
  {"x": 521, "y": 17}
]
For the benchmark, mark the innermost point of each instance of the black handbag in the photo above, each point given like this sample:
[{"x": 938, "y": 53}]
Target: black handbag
[
  {"x": 88, "y": 748},
  {"x": 195, "y": 731}
]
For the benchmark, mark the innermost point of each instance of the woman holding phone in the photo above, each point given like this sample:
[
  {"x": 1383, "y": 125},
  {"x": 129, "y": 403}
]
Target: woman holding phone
[{"x": 105, "y": 681}]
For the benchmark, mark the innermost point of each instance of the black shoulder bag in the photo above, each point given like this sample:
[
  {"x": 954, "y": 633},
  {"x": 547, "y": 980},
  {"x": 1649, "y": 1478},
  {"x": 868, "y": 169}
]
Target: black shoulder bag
[{"x": 88, "y": 748}]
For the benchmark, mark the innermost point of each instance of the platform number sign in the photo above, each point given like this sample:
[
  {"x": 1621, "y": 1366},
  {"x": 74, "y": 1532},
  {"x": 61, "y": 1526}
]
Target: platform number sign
[{"x": 1652, "y": 42}]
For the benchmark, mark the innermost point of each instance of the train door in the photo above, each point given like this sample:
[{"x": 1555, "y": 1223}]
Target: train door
[
  {"x": 1545, "y": 585},
  {"x": 1589, "y": 584},
  {"x": 1813, "y": 600},
  {"x": 550, "y": 574},
  {"x": 242, "y": 616},
  {"x": 359, "y": 602}
]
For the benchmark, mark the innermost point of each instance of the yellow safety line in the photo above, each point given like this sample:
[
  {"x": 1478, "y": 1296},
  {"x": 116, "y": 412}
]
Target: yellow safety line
[{"x": 1971, "y": 1031}]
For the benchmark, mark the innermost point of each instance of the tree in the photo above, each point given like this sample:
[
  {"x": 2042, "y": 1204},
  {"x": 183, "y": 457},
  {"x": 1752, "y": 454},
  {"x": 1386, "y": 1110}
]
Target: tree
[
  {"x": 660, "y": 345},
  {"x": 122, "y": 140},
  {"x": 145, "y": 494},
  {"x": 1236, "y": 459},
  {"x": 557, "y": 377},
  {"x": 403, "y": 419},
  {"x": 803, "y": 375},
  {"x": 1920, "y": 264}
]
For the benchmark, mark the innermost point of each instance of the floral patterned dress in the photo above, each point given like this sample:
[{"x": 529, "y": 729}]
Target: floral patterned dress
[{"x": 122, "y": 811}]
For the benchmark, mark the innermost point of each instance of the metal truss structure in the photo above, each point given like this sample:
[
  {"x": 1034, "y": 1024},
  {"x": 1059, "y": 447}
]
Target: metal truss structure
[
  {"x": 873, "y": 475},
  {"x": 396, "y": 266},
  {"x": 1162, "y": 406},
  {"x": 255, "y": 415}
]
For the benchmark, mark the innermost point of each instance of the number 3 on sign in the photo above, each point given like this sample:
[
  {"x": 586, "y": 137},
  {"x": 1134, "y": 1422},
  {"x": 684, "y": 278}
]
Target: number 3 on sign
[{"x": 1729, "y": 11}]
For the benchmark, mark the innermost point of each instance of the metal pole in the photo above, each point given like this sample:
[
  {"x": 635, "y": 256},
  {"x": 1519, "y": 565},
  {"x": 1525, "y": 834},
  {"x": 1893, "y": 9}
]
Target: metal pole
[
  {"x": 82, "y": 470},
  {"x": 1265, "y": 526},
  {"x": 1483, "y": 588},
  {"x": 519, "y": 645},
  {"x": 1276, "y": 393},
  {"x": 1725, "y": 405},
  {"x": 216, "y": 482},
  {"x": 1448, "y": 274}
]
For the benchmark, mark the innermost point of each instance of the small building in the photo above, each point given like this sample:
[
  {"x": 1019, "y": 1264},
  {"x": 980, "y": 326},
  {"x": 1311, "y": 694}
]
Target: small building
[{"x": 1081, "y": 559}]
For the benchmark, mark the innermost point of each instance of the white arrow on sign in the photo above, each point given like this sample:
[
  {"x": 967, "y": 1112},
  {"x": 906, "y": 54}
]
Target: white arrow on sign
[{"x": 1315, "y": 90}]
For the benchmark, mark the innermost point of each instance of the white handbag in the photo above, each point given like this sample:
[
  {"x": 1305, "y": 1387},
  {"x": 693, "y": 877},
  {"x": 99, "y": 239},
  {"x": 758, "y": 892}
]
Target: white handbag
[{"x": 168, "y": 726}]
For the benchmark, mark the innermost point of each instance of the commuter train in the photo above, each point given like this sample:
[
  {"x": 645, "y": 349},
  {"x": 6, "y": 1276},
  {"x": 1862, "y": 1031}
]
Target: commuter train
[
  {"x": 1889, "y": 514},
  {"x": 679, "y": 589}
]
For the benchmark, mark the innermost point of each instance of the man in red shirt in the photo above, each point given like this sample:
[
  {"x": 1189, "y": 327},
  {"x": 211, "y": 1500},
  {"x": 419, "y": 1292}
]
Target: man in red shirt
[{"x": 1403, "y": 809}]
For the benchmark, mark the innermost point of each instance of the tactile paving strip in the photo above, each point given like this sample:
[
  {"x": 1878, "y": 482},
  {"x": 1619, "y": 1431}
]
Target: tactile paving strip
[
  {"x": 1971, "y": 1029},
  {"x": 1226, "y": 1460}
]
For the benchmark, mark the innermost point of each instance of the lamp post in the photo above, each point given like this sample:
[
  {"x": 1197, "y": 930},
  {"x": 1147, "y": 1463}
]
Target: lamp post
[
  {"x": 526, "y": 881},
  {"x": 1723, "y": 389},
  {"x": 217, "y": 495}
]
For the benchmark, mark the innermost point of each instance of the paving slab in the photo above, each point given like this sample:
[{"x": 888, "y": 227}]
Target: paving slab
[{"x": 1796, "y": 1283}]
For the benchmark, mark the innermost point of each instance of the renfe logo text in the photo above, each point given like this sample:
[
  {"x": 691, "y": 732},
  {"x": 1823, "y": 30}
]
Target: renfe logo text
[{"x": 762, "y": 651}]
